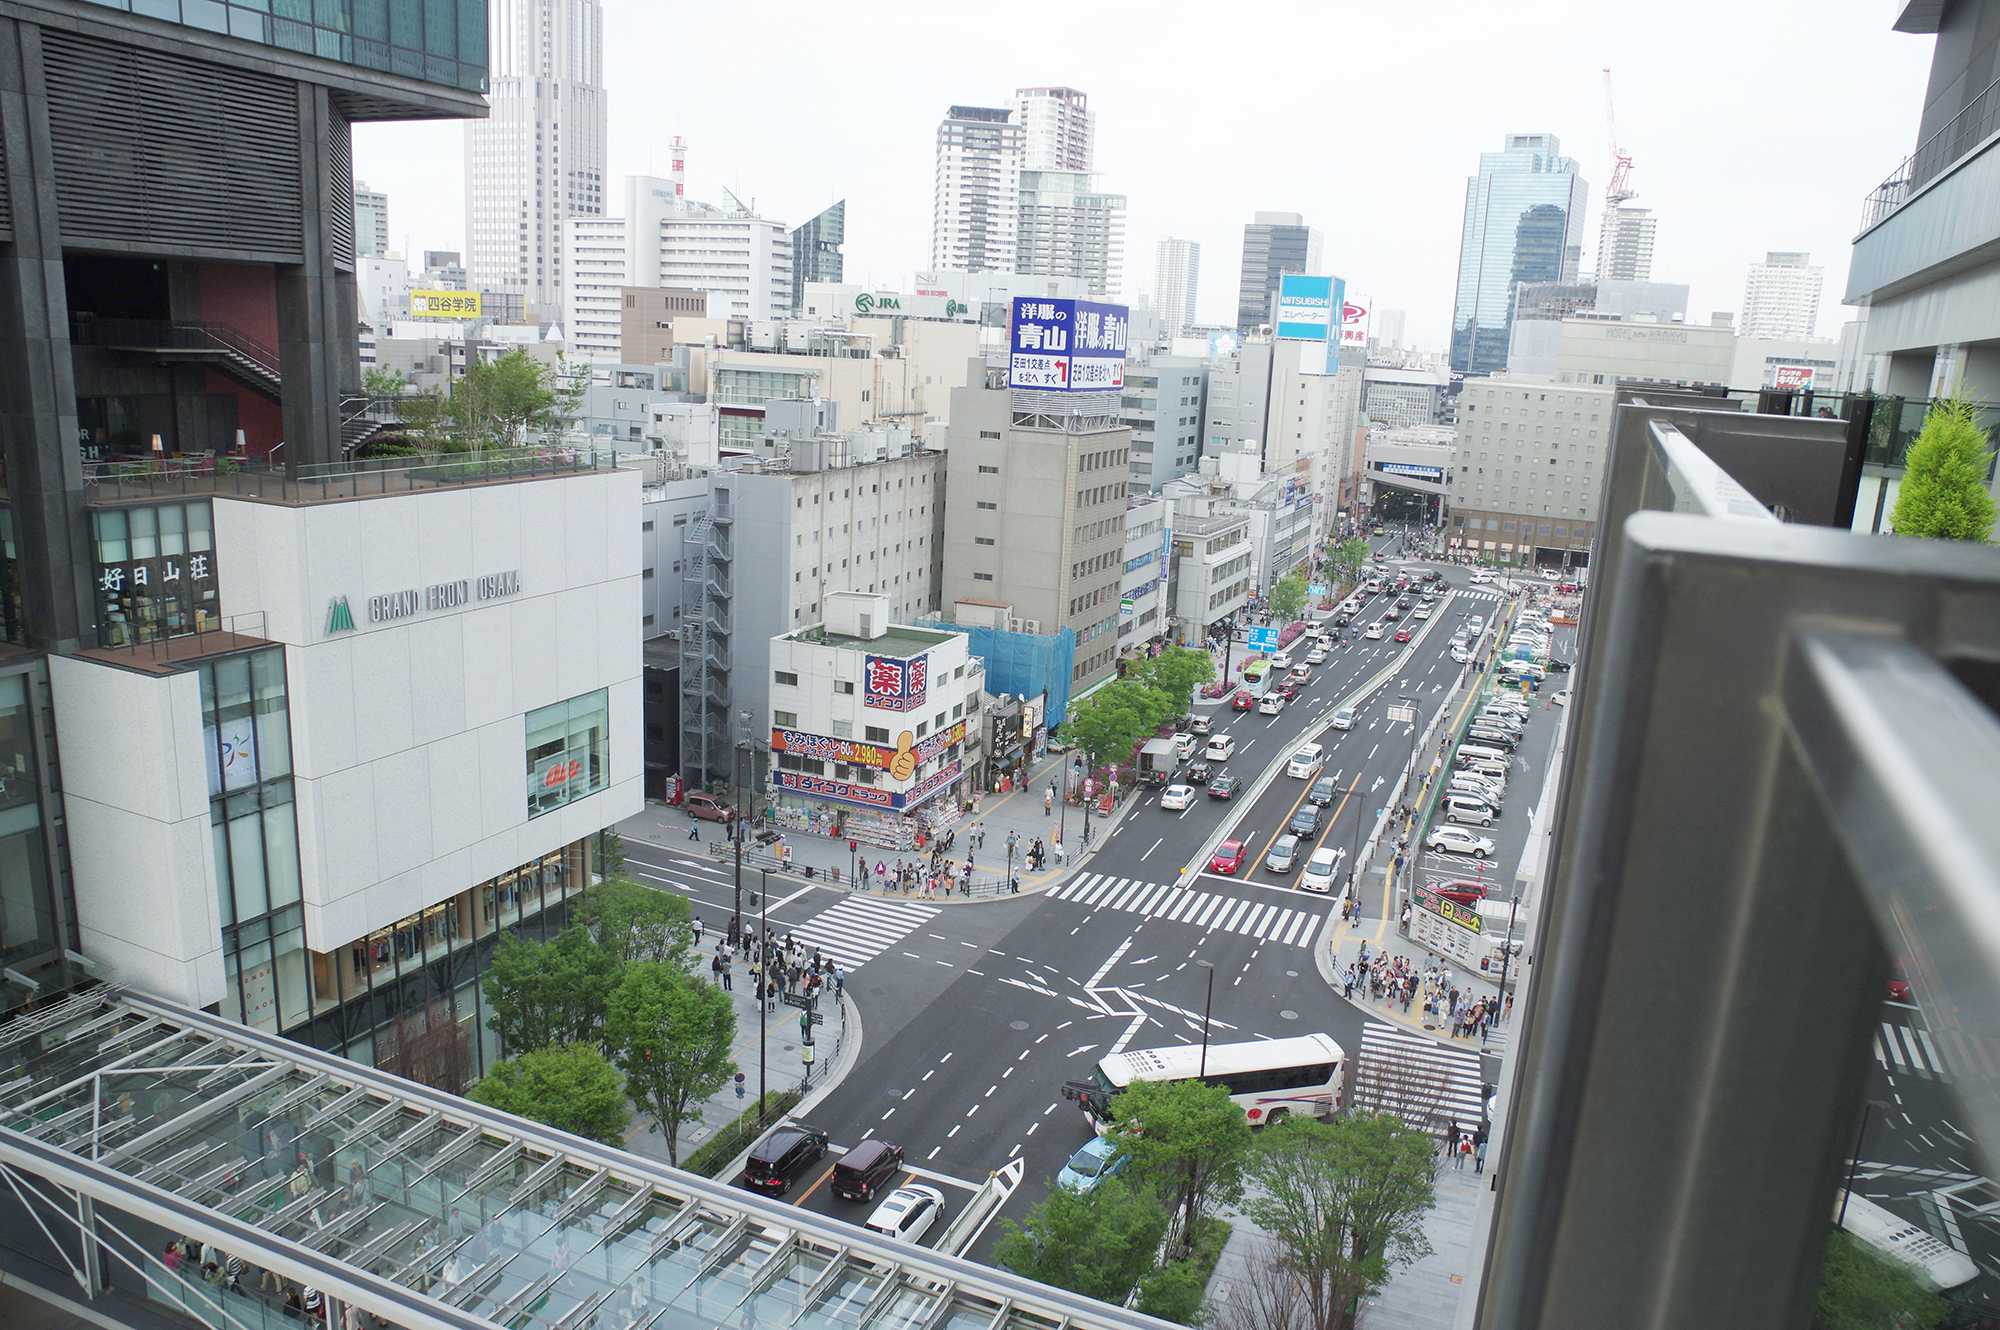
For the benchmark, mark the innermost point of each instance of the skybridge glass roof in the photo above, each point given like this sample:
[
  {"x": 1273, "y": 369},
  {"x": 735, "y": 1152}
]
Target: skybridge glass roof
[{"x": 408, "y": 1200}]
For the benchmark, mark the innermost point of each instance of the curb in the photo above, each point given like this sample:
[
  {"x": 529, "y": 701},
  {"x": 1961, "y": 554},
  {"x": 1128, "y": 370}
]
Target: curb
[{"x": 850, "y": 1053}]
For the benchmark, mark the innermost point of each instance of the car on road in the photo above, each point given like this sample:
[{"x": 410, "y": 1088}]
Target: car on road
[
  {"x": 1287, "y": 689},
  {"x": 1244, "y": 700},
  {"x": 1284, "y": 851},
  {"x": 1184, "y": 744},
  {"x": 1390, "y": 614},
  {"x": 1224, "y": 786},
  {"x": 1219, "y": 748},
  {"x": 1552, "y": 575},
  {"x": 1457, "y": 840},
  {"x": 1200, "y": 725},
  {"x": 1403, "y": 602},
  {"x": 1421, "y": 612},
  {"x": 866, "y": 1169},
  {"x": 1305, "y": 820},
  {"x": 1476, "y": 625},
  {"x": 1323, "y": 790},
  {"x": 1195, "y": 773},
  {"x": 1228, "y": 857},
  {"x": 1096, "y": 1160},
  {"x": 1402, "y": 634},
  {"x": 1342, "y": 620},
  {"x": 1270, "y": 704},
  {"x": 1554, "y": 666},
  {"x": 1899, "y": 986},
  {"x": 1281, "y": 660},
  {"x": 1317, "y": 656},
  {"x": 908, "y": 1212},
  {"x": 777, "y": 1159},
  {"x": 1459, "y": 655},
  {"x": 1462, "y": 808},
  {"x": 1374, "y": 633},
  {"x": 1483, "y": 579},
  {"x": 1320, "y": 869},
  {"x": 1343, "y": 719},
  {"x": 1560, "y": 697},
  {"x": 1306, "y": 762},
  {"x": 1300, "y": 672},
  {"x": 708, "y": 807},
  {"x": 1177, "y": 798}
]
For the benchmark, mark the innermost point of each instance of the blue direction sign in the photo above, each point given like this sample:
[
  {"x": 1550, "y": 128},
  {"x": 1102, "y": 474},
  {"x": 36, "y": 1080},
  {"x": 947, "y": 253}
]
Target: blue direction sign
[
  {"x": 1263, "y": 639},
  {"x": 1317, "y": 589}
]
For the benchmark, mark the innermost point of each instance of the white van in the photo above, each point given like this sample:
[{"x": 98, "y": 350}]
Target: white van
[
  {"x": 1305, "y": 762},
  {"x": 1484, "y": 766},
  {"x": 1482, "y": 752}
]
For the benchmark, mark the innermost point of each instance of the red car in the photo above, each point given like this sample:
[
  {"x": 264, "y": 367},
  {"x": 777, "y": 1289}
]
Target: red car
[
  {"x": 1402, "y": 634},
  {"x": 1287, "y": 690},
  {"x": 1228, "y": 857},
  {"x": 1242, "y": 701},
  {"x": 1899, "y": 987}
]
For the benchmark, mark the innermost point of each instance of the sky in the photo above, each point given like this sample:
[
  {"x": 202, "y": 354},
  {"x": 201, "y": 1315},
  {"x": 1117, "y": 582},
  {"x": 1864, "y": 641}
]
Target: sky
[{"x": 1755, "y": 125}]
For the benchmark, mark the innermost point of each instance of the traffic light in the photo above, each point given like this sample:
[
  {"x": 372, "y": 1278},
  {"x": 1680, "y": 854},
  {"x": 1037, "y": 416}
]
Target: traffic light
[{"x": 853, "y": 845}]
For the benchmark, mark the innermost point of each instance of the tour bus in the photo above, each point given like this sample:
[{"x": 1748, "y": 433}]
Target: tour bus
[
  {"x": 1268, "y": 1078},
  {"x": 1937, "y": 1264},
  {"x": 1257, "y": 677}
]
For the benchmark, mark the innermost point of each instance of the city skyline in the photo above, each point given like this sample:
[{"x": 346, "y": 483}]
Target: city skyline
[{"x": 1716, "y": 216}]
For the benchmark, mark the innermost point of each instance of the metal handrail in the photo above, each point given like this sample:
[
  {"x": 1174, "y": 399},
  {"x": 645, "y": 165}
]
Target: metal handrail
[{"x": 1973, "y": 125}]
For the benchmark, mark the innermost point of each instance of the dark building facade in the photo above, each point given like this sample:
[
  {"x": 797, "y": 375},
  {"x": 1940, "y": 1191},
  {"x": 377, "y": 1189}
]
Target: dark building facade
[
  {"x": 816, "y": 253},
  {"x": 1273, "y": 245}
]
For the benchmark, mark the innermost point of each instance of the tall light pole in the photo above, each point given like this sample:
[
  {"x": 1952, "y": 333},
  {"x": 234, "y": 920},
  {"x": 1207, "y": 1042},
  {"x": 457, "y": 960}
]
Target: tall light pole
[
  {"x": 1854, "y": 1161},
  {"x": 1354, "y": 854},
  {"x": 764, "y": 980},
  {"x": 1206, "y": 1004}
]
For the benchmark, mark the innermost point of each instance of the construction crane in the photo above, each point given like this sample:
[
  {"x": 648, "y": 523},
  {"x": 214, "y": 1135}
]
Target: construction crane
[{"x": 1621, "y": 162}]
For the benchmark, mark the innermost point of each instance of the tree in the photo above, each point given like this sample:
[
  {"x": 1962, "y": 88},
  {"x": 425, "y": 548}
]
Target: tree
[
  {"x": 1943, "y": 494},
  {"x": 1859, "y": 1290},
  {"x": 1288, "y": 597},
  {"x": 637, "y": 923},
  {"x": 571, "y": 1087},
  {"x": 1106, "y": 724},
  {"x": 552, "y": 992},
  {"x": 1097, "y": 1243},
  {"x": 1188, "y": 1141},
  {"x": 671, "y": 1035},
  {"x": 497, "y": 401},
  {"x": 1175, "y": 673},
  {"x": 1345, "y": 1202},
  {"x": 1349, "y": 559},
  {"x": 424, "y": 423},
  {"x": 383, "y": 381},
  {"x": 1176, "y": 1292}
]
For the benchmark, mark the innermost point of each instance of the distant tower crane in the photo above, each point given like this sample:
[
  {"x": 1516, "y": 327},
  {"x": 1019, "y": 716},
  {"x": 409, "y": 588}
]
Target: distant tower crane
[{"x": 1621, "y": 162}]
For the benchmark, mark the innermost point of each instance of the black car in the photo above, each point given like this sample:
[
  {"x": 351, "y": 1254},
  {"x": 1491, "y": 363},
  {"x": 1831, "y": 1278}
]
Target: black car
[
  {"x": 1224, "y": 786},
  {"x": 1557, "y": 666},
  {"x": 1322, "y": 792},
  {"x": 1403, "y": 603},
  {"x": 1340, "y": 621},
  {"x": 1196, "y": 773},
  {"x": 1305, "y": 822},
  {"x": 777, "y": 1158}
]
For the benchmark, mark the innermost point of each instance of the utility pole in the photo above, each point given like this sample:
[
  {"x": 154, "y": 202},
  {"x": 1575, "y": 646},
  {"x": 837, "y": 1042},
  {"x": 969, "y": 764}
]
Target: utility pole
[{"x": 763, "y": 982}]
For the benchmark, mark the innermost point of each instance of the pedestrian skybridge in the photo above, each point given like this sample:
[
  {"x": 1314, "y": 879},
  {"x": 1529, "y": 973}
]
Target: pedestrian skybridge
[{"x": 138, "y": 1122}]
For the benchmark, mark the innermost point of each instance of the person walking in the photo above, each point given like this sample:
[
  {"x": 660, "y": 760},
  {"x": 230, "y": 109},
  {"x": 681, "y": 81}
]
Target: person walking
[
  {"x": 1049, "y": 799},
  {"x": 1058, "y": 847},
  {"x": 694, "y": 829},
  {"x": 695, "y": 925}
]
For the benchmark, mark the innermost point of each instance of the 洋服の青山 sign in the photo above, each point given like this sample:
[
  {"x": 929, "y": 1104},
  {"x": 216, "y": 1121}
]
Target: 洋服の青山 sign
[
  {"x": 858, "y": 754},
  {"x": 866, "y": 796},
  {"x": 889, "y": 684}
]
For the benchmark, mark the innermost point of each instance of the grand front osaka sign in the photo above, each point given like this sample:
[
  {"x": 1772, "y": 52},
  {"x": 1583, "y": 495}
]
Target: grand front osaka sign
[{"x": 391, "y": 606}]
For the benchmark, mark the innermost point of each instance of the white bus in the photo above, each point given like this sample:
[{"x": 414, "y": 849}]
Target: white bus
[
  {"x": 1268, "y": 1078},
  {"x": 1936, "y": 1263}
]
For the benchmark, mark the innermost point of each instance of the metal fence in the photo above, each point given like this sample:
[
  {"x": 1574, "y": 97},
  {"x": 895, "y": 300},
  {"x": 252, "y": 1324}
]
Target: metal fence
[
  {"x": 1961, "y": 134},
  {"x": 118, "y": 481},
  {"x": 1783, "y": 773}
]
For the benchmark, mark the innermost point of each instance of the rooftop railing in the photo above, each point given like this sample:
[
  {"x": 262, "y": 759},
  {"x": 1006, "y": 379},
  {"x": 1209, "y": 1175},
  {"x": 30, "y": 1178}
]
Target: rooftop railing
[
  {"x": 141, "y": 479},
  {"x": 1961, "y": 134}
]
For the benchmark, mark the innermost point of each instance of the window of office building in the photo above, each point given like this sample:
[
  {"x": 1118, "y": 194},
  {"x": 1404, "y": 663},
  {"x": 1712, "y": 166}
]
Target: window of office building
[
  {"x": 155, "y": 572},
  {"x": 569, "y": 750},
  {"x": 27, "y": 918}
]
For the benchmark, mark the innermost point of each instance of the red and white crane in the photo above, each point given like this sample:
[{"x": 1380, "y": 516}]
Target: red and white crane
[{"x": 1621, "y": 162}]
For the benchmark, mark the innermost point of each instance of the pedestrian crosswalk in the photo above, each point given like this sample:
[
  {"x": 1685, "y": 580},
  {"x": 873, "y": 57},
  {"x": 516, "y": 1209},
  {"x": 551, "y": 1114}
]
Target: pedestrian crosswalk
[
  {"x": 1903, "y": 1049},
  {"x": 1271, "y": 921},
  {"x": 1428, "y": 1085},
  {"x": 859, "y": 929}
]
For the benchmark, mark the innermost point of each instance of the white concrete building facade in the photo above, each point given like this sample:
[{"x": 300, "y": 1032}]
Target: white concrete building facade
[{"x": 1781, "y": 297}]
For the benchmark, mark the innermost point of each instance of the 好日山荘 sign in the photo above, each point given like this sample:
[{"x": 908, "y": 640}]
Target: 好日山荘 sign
[{"x": 1067, "y": 346}]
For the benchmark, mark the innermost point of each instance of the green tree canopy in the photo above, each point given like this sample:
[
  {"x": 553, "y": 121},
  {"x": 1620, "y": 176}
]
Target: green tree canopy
[
  {"x": 383, "y": 381},
  {"x": 671, "y": 1035},
  {"x": 496, "y": 402},
  {"x": 1943, "y": 494},
  {"x": 571, "y": 1087},
  {"x": 1188, "y": 1141},
  {"x": 1098, "y": 1243},
  {"x": 1345, "y": 1202},
  {"x": 635, "y": 922},
  {"x": 1349, "y": 559},
  {"x": 552, "y": 992},
  {"x": 1106, "y": 724},
  {"x": 1859, "y": 1290},
  {"x": 1175, "y": 673},
  {"x": 1288, "y": 597}
]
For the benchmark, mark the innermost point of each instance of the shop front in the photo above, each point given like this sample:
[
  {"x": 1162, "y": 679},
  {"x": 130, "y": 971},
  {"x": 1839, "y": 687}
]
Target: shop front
[{"x": 870, "y": 792}]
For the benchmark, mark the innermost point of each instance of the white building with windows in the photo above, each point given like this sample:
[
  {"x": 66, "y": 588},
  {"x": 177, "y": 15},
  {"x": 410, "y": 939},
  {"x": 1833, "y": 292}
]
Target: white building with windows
[
  {"x": 1176, "y": 282},
  {"x": 1781, "y": 297},
  {"x": 974, "y": 206},
  {"x": 1145, "y": 609},
  {"x": 1527, "y": 482},
  {"x": 869, "y": 721}
]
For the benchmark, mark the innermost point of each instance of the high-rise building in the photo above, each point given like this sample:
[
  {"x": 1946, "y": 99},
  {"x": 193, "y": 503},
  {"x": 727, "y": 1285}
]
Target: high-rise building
[
  {"x": 1058, "y": 129},
  {"x": 1067, "y": 228},
  {"x": 1625, "y": 245},
  {"x": 816, "y": 255},
  {"x": 1781, "y": 299},
  {"x": 371, "y": 222},
  {"x": 538, "y": 159},
  {"x": 1274, "y": 244},
  {"x": 976, "y": 199},
  {"x": 1176, "y": 277},
  {"x": 1523, "y": 223}
]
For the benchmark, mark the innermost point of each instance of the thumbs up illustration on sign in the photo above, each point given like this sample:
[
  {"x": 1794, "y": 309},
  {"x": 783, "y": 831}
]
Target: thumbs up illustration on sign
[{"x": 904, "y": 764}]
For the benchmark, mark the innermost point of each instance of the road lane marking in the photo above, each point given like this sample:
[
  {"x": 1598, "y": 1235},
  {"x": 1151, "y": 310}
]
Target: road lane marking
[{"x": 1149, "y": 849}]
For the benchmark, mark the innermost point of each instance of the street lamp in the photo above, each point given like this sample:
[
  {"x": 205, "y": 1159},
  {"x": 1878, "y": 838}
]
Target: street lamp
[
  {"x": 1206, "y": 1004},
  {"x": 1354, "y": 855},
  {"x": 1854, "y": 1161},
  {"x": 764, "y": 973}
]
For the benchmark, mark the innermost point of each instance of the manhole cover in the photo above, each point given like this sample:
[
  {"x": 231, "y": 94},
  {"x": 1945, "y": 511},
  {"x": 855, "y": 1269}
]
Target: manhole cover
[
  {"x": 1291, "y": 974},
  {"x": 1289, "y": 1015},
  {"x": 789, "y": 1047},
  {"x": 1017, "y": 1025}
]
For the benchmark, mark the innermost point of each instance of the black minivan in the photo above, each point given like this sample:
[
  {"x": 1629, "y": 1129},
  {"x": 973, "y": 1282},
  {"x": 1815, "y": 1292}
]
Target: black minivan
[
  {"x": 867, "y": 1169},
  {"x": 777, "y": 1159}
]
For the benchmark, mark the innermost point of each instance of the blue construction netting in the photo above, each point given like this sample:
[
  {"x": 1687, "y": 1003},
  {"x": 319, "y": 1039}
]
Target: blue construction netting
[{"x": 1024, "y": 664}]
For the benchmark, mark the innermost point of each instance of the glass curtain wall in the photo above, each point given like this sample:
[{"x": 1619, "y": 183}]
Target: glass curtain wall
[
  {"x": 569, "y": 751},
  {"x": 155, "y": 572},
  {"x": 27, "y": 909}
]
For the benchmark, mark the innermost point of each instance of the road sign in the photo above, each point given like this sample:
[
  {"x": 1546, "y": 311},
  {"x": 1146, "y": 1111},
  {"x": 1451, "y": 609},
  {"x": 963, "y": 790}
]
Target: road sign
[
  {"x": 799, "y": 1000},
  {"x": 1316, "y": 589},
  {"x": 818, "y": 1017},
  {"x": 1263, "y": 639},
  {"x": 1401, "y": 715}
]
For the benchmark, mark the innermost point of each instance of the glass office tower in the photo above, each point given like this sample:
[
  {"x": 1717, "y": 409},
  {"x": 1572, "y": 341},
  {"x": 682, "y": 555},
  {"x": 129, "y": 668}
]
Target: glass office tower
[{"x": 1523, "y": 223}]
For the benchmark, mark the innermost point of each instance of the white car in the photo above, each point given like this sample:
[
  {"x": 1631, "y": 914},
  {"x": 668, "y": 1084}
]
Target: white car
[
  {"x": 1457, "y": 840},
  {"x": 1560, "y": 697},
  {"x": 1317, "y": 656},
  {"x": 1552, "y": 575},
  {"x": 1321, "y": 869},
  {"x": 1343, "y": 719},
  {"x": 1306, "y": 762},
  {"x": 1219, "y": 748},
  {"x": 1282, "y": 660},
  {"x": 1476, "y": 623},
  {"x": 1175, "y": 798},
  {"x": 1483, "y": 579},
  {"x": 1421, "y": 612},
  {"x": 908, "y": 1212},
  {"x": 1460, "y": 656},
  {"x": 1184, "y": 745},
  {"x": 1270, "y": 704},
  {"x": 1374, "y": 633}
]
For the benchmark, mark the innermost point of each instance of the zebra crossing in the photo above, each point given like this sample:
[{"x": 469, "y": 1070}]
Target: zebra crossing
[
  {"x": 859, "y": 929},
  {"x": 1269, "y": 921},
  {"x": 1912, "y": 1053},
  {"x": 1423, "y": 1082}
]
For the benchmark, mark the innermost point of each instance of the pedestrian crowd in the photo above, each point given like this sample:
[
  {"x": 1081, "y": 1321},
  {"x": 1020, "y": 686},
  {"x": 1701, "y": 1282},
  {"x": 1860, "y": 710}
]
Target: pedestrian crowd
[
  {"x": 1401, "y": 982},
  {"x": 785, "y": 966}
]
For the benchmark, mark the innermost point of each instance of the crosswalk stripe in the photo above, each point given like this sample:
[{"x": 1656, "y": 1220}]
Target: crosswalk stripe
[
  {"x": 1229, "y": 924},
  {"x": 1189, "y": 906},
  {"x": 1213, "y": 901},
  {"x": 1131, "y": 893},
  {"x": 1277, "y": 933},
  {"x": 1154, "y": 897},
  {"x": 855, "y": 931},
  {"x": 1299, "y": 928},
  {"x": 1097, "y": 890},
  {"x": 1930, "y": 1049},
  {"x": 1246, "y": 922},
  {"x": 1172, "y": 901},
  {"x": 1260, "y": 921},
  {"x": 1393, "y": 1064}
]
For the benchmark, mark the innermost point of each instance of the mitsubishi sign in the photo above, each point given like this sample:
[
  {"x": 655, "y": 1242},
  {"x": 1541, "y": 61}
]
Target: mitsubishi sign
[{"x": 1306, "y": 307}]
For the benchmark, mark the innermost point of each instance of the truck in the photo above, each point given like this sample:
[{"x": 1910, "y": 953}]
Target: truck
[{"x": 1158, "y": 760}]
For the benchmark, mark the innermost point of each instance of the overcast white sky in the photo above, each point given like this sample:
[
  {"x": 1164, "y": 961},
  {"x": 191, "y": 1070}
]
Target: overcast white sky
[{"x": 1753, "y": 125}]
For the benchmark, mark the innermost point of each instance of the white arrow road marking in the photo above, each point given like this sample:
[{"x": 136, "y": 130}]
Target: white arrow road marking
[{"x": 1081, "y": 1048}]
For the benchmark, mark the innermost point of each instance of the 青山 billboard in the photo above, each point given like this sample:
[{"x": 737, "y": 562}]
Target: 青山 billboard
[
  {"x": 1306, "y": 307},
  {"x": 1066, "y": 346}
]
